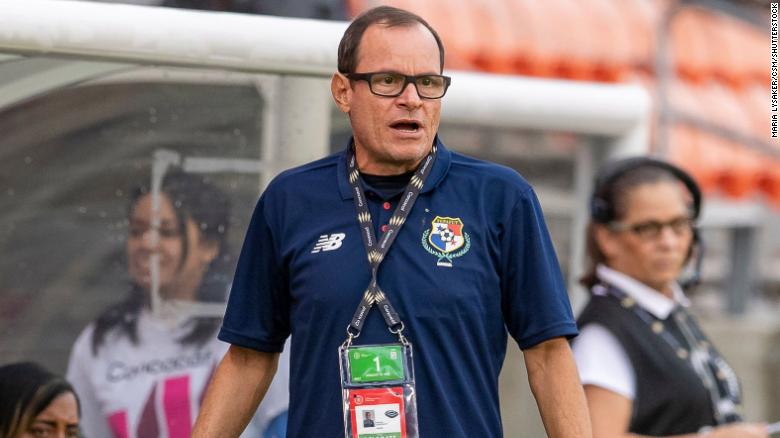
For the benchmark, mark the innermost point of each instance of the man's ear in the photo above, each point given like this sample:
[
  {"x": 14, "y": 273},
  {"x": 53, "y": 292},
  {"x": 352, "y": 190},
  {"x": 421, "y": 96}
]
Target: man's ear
[{"x": 342, "y": 92}]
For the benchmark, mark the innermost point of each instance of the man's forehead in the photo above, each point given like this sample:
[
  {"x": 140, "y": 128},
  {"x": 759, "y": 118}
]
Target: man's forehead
[
  {"x": 380, "y": 38},
  {"x": 383, "y": 30}
]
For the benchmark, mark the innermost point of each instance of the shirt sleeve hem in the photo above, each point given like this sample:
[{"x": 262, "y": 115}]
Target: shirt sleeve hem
[
  {"x": 234, "y": 338},
  {"x": 566, "y": 329}
]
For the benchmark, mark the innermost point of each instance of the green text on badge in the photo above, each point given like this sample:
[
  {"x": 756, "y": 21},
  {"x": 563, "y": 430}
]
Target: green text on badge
[{"x": 376, "y": 364}]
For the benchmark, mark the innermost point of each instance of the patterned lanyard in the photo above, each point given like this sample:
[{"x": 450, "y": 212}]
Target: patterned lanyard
[
  {"x": 716, "y": 375},
  {"x": 376, "y": 250}
]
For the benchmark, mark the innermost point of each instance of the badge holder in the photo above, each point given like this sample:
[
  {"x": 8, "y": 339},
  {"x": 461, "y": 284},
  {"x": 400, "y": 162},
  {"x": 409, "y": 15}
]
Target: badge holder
[{"x": 378, "y": 392}]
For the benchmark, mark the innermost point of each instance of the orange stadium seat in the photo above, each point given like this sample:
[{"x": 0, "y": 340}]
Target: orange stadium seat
[
  {"x": 757, "y": 53},
  {"x": 741, "y": 177},
  {"x": 686, "y": 149},
  {"x": 497, "y": 41},
  {"x": 615, "y": 41},
  {"x": 641, "y": 18},
  {"x": 689, "y": 147},
  {"x": 769, "y": 181},
  {"x": 575, "y": 48},
  {"x": 755, "y": 104},
  {"x": 734, "y": 61},
  {"x": 543, "y": 53},
  {"x": 691, "y": 45},
  {"x": 458, "y": 28},
  {"x": 532, "y": 56}
]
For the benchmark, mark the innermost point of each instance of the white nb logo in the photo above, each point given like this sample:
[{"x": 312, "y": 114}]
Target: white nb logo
[{"x": 328, "y": 243}]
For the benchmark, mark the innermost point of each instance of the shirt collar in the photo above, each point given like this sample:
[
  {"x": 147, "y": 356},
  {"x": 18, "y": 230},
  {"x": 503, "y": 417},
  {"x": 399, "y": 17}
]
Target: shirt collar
[
  {"x": 658, "y": 304},
  {"x": 440, "y": 168}
]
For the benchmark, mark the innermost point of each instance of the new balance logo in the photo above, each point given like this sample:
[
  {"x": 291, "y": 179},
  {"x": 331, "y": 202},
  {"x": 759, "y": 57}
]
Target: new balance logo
[{"x": 328, "y": 243}]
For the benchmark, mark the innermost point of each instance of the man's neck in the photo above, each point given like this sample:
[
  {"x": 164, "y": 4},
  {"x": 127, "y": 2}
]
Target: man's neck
[
  {"x": 387, "y": 186},
  {"x": 371, "y": 166},
  {"x": 387, "y": 169}
]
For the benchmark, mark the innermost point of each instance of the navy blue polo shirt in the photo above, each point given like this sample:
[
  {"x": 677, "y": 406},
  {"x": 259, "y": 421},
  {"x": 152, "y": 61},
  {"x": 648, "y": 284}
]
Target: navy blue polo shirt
[{"x": 473, "y": 262}]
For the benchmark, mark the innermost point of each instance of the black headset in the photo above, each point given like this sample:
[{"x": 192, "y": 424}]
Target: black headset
[{"x": 602, "y": 208}]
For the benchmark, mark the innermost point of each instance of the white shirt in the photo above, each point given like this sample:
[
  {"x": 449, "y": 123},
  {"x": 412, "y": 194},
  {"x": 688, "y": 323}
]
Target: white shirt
[
  {"x": 601, "y": 360},
  {"x": 127, "y": 389}
]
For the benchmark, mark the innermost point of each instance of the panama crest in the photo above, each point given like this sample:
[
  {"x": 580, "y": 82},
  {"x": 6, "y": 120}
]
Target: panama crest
[{"x": 446, "y": 240}]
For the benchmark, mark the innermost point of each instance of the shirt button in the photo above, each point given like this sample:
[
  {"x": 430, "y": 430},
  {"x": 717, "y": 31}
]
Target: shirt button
[
  {"x": 384, "y": 228},
  {"x": 386, "y": 206}
]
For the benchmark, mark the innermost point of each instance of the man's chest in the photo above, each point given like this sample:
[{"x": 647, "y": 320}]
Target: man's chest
[{"x": 444, "y": 259}]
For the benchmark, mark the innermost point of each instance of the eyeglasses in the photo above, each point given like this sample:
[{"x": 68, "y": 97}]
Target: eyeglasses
[
  {"x": 389, "y": 84},
  {"x": 652, "y": 229}
]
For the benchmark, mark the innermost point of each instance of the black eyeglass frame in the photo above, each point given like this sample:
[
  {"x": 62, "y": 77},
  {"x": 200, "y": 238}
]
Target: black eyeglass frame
[
  {"x": 407, "y": 80},
  {"x": 652, "y": 229}
]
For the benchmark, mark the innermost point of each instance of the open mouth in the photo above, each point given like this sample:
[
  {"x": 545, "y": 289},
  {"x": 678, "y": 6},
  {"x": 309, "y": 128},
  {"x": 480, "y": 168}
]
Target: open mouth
[{"x": 406, "y": 126}]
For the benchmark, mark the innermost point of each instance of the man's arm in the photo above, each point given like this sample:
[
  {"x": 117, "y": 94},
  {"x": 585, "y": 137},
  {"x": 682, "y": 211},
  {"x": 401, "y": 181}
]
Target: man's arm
[
  {"x": 556, "y": 386},
  {"x": 239, "y": 384}
]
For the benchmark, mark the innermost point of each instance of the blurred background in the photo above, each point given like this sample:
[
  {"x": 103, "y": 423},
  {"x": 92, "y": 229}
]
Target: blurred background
[{"x": 79, "y": 129}]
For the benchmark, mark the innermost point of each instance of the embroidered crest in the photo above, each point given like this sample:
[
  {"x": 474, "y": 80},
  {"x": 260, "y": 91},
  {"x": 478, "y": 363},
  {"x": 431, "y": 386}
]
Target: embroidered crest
[{"x": 446, "y": 240}]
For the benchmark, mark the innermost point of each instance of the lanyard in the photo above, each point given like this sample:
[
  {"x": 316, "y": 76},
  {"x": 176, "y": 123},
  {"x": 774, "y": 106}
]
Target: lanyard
[
  {"x": 376, "y": 250},
  {"x": 713, "y": 371}
]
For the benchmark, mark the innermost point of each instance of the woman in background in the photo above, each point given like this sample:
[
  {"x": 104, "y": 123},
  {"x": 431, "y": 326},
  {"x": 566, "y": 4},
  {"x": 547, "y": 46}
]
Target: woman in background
[
  {"x": 142, "y": 376},
  {"x": 647, "y": 368},
  {"x": 36, "y": 403}
]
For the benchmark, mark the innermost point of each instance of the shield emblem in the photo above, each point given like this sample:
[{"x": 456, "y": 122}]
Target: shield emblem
[{"x": 446, "y": 234}]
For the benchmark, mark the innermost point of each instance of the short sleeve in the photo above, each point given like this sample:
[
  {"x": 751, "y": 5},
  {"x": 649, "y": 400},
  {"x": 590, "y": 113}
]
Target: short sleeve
[
  {"x": 257, "y": 314},
  {"x": 80, "y": 368},
  {"x": 602, "y": 361},
  {"x": 535, "y": 303}
]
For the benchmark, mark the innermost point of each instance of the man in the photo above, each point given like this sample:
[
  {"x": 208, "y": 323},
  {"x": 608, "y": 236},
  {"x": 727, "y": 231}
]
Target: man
[
  {"x": 472, "y": 259},
  {"x": 368, "y": 419}
]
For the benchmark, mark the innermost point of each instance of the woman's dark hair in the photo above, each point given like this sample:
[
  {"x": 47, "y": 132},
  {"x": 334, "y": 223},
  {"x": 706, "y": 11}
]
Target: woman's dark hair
[
  {"x": 26, "y": 389},
  {"x": 388, "y": 16},
  {"x": 613, "y": 193},
  {"x": 209, "y": 208}
]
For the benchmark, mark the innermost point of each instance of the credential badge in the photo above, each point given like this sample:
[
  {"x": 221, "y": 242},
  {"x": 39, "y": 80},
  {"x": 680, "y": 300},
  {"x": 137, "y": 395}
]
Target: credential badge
[{"x": 446, "y": 240}]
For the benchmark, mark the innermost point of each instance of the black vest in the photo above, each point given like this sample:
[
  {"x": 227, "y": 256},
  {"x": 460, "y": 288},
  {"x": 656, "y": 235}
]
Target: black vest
[{"x": 670, "y": 397}]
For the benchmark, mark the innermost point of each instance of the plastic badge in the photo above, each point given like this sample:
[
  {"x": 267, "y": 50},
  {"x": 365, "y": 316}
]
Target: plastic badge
[
  {"x": 377, "y": 412},
  {"x": 378, "y": 391},
  {"x": 379, "y": 363}
]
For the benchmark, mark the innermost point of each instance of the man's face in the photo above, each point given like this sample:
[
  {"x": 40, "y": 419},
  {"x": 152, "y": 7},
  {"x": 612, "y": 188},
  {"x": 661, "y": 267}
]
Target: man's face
[{"x": 392, "y": 134}]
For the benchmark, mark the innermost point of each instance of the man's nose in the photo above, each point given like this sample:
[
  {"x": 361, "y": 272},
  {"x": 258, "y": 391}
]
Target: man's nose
[{"x": 409, "y": 97}]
